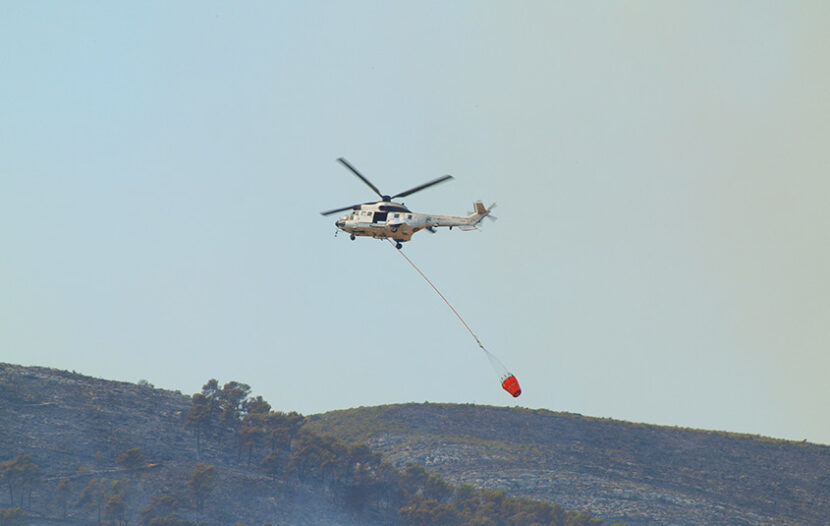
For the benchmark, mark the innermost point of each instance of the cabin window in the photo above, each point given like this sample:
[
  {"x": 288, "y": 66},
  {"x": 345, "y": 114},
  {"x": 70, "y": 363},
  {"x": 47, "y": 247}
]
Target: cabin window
[
  {"x": 409, "y": 216},
  {"x": 397, "y": 215}
]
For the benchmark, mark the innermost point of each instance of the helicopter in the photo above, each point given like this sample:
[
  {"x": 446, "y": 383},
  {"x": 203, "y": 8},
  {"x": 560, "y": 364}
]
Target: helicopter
[{"x": 386, "y": 219}]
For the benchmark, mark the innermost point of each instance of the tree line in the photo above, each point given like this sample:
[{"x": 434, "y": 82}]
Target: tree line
[
  {"x": 102, "y": 500},
  {"x": 352, "y": 474},
  {"x": 228, "y": 424}
]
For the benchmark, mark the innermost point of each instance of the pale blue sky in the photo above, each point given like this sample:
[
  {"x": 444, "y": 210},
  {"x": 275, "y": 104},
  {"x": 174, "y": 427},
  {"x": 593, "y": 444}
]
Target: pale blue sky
[{"x": 662, "y": 173}]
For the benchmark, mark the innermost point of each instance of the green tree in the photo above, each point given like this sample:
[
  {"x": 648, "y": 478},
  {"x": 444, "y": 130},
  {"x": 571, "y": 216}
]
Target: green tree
[
  {"x": 94, "y": 496},
  {"x": 427, "y": 512},
  {"x": 282, "y": 428},
  {"x": 389, "y": 492},
  {"x": 252, "y": 433},
  {"x": 466, "y": 498},
  {"x": 233, "y": 396},
  {"x": 162, "y": 506},
  {"x": 360, "y": 488},
  {"x": 437, "y": 489},
  {"x": 211, "y": 392},
  {"x": 575, "y": 518},
  {"x": 256, "y": 406},
  {"x": 490, "y": 508},
  {"x": 115, "y": 509},
  {"x": 31, "y": 477},
  {"x": 104, "y": 498},
  {"x": 413, "y": 479},
  {"x": 22, "y": 475},
  {"x": 557, "y": 514},
  {"x": 272, "y": 465},
  {"x": 527, "y": 511},
  {"x": 130, "y": 459},
  {"x": 202, "y": 482},
  {"x": 316, "y": 457},
  {"x": 213, "y": 400},
  {"x": 198, "y": 419},
  {"x": 116, "y": 506}
]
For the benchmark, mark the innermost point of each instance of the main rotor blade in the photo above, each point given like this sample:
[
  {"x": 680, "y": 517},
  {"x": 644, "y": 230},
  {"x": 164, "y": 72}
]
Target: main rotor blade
[
  {"x": 337, "y": 210},
  {"x": 423, "y": 186},
  {"x": 345, "y": 163}
]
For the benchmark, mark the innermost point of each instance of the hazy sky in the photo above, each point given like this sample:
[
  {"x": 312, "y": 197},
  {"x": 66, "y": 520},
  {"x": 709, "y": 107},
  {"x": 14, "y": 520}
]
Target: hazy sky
[{"x": 662, "y": 173}]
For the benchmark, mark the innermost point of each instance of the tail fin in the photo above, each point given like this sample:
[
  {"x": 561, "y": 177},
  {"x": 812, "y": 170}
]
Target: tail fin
[{"x": 475, "y": 217}]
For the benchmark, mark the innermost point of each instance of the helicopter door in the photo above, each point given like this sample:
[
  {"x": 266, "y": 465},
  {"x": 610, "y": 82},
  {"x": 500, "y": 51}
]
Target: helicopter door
[{"x": 380, "y": 217}]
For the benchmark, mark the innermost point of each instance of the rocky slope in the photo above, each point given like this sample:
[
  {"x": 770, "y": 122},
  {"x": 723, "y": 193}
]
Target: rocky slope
[
  {"x": 74, "y": 427},
  {"x": 633, "y": 473}
]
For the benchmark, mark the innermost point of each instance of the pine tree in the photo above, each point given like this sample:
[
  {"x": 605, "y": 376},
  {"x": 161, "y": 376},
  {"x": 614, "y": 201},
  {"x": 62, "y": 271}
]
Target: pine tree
[
  {"x": 21, "y": 474},
  {"x": 159, "y": 507},
  {"x": 198, "y": 418},
  {"x": 272, "y": 465},
  {"x": 93, "y": 497},
  {"x": 130, "y": 459},
  {"x": 252, "y": 433},
  {"x": 202, "y": 482}
]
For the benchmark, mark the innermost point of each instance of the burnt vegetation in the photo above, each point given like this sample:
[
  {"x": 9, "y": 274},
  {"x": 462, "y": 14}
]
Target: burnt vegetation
[{"x": 76, "y": 450}]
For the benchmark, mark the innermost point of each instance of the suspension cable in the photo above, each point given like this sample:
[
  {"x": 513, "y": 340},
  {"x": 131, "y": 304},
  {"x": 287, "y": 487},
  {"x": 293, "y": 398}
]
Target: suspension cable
[
  {"x": 508, "y": 381},
  {"x": 442, "y": 296}
]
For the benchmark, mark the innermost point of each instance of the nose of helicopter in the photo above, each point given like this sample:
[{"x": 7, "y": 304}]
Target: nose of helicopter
[{"x": 339, "y": 223}]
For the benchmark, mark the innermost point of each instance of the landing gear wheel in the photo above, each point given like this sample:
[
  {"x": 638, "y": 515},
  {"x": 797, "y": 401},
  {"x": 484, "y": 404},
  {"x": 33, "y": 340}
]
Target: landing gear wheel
[
  {"x": 393, "y": 229},
  {"x": 398, "y": 245},
  {"x": 352, "y": 237}
]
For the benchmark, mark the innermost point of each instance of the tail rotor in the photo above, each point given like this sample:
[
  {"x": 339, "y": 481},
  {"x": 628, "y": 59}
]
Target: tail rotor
[
  {"x": 482, "y": 213},
  {"x": 489, "y": 215}
]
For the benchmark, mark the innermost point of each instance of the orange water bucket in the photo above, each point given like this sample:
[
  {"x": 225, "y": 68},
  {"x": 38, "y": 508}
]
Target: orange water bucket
[{"x": 511, "y": 385}]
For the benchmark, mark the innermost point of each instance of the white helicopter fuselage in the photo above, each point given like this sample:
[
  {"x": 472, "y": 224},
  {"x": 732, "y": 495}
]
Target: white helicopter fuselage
[{"x": 389, "y": 220}]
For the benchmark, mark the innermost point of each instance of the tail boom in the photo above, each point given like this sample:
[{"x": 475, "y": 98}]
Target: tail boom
[{"x": 469, "y": 222}]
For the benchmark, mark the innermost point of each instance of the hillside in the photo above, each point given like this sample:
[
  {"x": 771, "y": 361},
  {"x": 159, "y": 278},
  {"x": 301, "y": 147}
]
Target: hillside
[
  {"x": 634, "y": 473},
  {"x": 76, "y": 450},
  {"x": 74, "y": 427}
]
